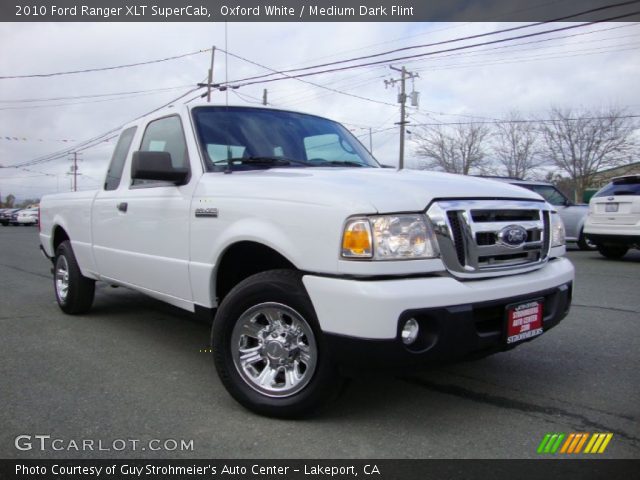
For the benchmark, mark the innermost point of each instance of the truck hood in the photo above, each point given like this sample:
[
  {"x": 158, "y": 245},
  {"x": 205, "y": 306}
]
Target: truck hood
[{"x": 366, "y": 190}]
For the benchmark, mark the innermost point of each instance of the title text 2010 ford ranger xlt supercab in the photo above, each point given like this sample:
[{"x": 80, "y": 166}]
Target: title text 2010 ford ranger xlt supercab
[{"x": 314, "y": 259}]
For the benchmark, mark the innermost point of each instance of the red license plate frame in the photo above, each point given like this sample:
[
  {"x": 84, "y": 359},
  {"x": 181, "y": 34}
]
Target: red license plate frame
[{"x": 523, "y": 320}]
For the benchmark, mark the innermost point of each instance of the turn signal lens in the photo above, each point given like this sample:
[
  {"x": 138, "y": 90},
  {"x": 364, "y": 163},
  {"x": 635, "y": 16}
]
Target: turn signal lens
[{"x": 356, "y": 239}]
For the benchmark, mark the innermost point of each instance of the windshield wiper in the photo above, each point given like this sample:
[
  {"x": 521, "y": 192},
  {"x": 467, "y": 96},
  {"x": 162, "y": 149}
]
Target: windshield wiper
[
  {"x": 261, "y": 160},
  {"x": 340, "y": 163}
]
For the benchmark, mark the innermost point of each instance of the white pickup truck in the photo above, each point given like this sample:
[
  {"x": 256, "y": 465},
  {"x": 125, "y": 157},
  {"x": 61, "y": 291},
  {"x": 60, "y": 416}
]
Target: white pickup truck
[{"x": 312, "y": 260}]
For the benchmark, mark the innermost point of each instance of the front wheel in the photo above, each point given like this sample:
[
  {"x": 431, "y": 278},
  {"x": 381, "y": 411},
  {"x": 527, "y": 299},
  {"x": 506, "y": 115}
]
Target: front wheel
[
  {"x": 584, "y": 243},
  {"x": 268, "y": 347},
  {"x": 613, "y": 251},
  {"x": 74, "y": 292}
]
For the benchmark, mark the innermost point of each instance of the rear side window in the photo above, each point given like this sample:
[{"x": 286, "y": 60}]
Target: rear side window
[
  {"x": 119, "y": 157},
  {"x": 624, "y": 186}
]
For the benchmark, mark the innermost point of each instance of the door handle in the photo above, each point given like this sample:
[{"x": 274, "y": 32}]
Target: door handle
[{"x": 122, "y": 206}]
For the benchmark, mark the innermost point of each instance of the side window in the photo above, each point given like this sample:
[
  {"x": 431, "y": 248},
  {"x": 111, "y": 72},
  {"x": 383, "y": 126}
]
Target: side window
[
  {"x": 165, "y": 135},
  {"x": 116, "y": 166},
  {"x": 329, "y": 147}
]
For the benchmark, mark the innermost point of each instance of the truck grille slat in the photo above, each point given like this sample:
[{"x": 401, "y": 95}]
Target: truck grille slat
[{"x": 491, "y": 237}]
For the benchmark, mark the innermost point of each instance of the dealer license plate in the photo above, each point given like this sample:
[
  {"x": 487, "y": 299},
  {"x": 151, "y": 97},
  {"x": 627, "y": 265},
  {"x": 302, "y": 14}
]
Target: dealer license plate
[
  {"x": 611, "y": 207},
  {"x": 524, "y": 320}
]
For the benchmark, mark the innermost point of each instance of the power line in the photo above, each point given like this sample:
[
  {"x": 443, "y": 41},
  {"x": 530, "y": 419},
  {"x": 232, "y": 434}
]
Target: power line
[
  {"x": 444, "y": 42},
  {"x": 307, "y": 81},
  {"x": 562, "y": 37},
  {"x": 102, "y": 69},
  {"x": 86, "y": 102},
  {"x": 94, "y": 140},
  {"x": 420, "y": 55},
  {"x": 92, "y": 95},
  {"x": 532, "y": 58},
  {"x": 536, "y": 120}
]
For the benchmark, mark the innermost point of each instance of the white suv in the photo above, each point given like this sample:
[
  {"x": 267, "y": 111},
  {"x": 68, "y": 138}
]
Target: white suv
[{"x": 613, "y": 223}]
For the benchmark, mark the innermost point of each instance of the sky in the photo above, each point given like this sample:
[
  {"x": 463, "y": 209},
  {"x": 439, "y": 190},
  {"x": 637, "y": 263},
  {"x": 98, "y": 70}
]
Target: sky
[{"x": 585, "y": 68}]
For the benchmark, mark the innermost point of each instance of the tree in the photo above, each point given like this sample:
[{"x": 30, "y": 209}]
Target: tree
[
  {"x": 516, "y": 147},
  {"x": 8, "y": 203},
  {"x": 458, "y": 149},
  {"x": 29, "y": 201},
  {"x": 581, "y": 144}
]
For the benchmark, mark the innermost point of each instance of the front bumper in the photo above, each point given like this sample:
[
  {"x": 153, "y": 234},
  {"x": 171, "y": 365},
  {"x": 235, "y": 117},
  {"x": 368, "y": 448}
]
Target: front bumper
[{"x": 362, "y": 319}]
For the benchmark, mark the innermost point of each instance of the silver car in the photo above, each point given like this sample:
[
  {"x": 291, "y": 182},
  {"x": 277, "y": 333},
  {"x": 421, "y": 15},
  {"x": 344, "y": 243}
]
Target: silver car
[{"x": 573, "y": 215}]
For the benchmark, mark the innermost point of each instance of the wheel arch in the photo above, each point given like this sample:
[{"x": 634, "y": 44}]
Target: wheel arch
[
  {"x": 243, "y": 259},
  {"x": 59, "y": 235}
]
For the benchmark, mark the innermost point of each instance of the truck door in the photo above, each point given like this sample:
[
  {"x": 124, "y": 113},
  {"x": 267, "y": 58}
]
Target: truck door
[{"x": 141, "y": 229}]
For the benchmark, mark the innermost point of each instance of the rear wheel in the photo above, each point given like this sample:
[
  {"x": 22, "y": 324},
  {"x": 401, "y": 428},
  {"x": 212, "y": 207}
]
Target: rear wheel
[
  {"x": 613, "y": 251},
  {"x": 74, "y": 292},
  {"x": 268, "y": 347}
]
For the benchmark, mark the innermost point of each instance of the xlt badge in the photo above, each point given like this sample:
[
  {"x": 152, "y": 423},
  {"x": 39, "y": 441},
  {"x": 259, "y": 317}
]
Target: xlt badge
[{"x": 206, "y": 212}]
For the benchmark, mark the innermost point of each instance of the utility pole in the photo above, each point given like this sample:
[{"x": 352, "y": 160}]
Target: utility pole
[
  {"x": 210, "y": 77},
  {"x": 402, "y": 100},
  {"x": 74, "y": 172},
  {"x": 264, "y": 96},
  {"x": 370, "y": 141}
]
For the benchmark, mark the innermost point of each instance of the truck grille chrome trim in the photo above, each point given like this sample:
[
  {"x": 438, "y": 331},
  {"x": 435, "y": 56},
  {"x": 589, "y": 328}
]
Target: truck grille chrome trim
[{"x": 483, "y": 238}]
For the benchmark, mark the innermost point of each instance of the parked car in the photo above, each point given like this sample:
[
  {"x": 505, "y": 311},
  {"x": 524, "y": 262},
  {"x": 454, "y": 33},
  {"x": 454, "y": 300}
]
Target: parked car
[
  {"x": 14, "y": 217},
  {"x": 613, "y": 223},
  {"x": 310, "y": 258},
  {"x": 28, "y": 216},
  {"x": 7, "y": 215},
  {"x": 573, "y": 215}
]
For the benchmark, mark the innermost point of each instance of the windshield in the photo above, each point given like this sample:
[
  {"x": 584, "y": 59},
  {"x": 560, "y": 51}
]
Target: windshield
[{"x": 255, "y": 138}]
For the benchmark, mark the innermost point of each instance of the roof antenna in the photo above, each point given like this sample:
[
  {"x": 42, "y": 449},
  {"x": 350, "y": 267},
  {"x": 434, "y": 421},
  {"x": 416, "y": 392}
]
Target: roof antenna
[{"x": 226, "y": 97}]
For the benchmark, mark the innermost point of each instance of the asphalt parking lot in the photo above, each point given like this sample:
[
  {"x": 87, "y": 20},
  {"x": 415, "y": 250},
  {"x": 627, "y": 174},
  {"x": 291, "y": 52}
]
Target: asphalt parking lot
[{"x": 134, "y": 369}]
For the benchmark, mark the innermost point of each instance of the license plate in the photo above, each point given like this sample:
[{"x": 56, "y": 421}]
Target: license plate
[
  {"x": 611, "y": 207},
  {"x": 524, "y": 320}
]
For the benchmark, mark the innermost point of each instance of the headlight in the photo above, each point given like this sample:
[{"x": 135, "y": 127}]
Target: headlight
[
  {"x": 557, "y": 231},
  {"x": 389, "y": 237}
]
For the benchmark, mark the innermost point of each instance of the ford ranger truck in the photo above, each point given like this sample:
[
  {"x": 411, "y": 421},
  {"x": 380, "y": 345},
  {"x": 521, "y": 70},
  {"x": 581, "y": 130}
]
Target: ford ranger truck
[{"x": 312, "y": 260}]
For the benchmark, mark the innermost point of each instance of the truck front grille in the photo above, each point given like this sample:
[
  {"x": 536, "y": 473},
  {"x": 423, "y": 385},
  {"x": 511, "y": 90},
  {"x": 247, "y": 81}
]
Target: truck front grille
[{"x": 491, "y": 237}]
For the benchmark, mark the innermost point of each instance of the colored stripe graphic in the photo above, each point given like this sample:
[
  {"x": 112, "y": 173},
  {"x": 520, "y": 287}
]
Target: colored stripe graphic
[
  {"x": 574, "y": 442},
  {"x": 550, "y": 443},
  {"x": 598, "y": 443},
  {"x": 581, "y": 443},
  {"x": 543, "y": 443},
  {"x": 605, "y": 443}
]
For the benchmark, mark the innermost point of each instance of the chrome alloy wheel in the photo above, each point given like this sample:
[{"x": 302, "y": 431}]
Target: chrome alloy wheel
[
  {"x": 62, "y": 278},
  {"x": 274, "y": 349}
]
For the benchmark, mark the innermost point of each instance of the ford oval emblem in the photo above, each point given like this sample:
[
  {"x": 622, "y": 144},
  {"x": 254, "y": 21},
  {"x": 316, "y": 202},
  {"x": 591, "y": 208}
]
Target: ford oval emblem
[{"x": 512, "y": 236}]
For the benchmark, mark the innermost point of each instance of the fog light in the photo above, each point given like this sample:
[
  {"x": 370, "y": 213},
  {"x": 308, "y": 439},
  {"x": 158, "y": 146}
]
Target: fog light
[{"x": 410, "y": 331}]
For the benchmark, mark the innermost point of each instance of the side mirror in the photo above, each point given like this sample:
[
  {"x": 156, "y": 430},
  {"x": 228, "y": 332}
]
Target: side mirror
[{"x": 157, "y": 166}]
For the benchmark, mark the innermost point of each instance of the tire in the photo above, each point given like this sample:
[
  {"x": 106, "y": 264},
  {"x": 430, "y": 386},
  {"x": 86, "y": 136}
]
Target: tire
[
  {"x": 289, "y": 372},
  {"x": 613, "y": 252},
  {"x": 74, "y": 292},
  {"x": 585, "y": 244}
]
